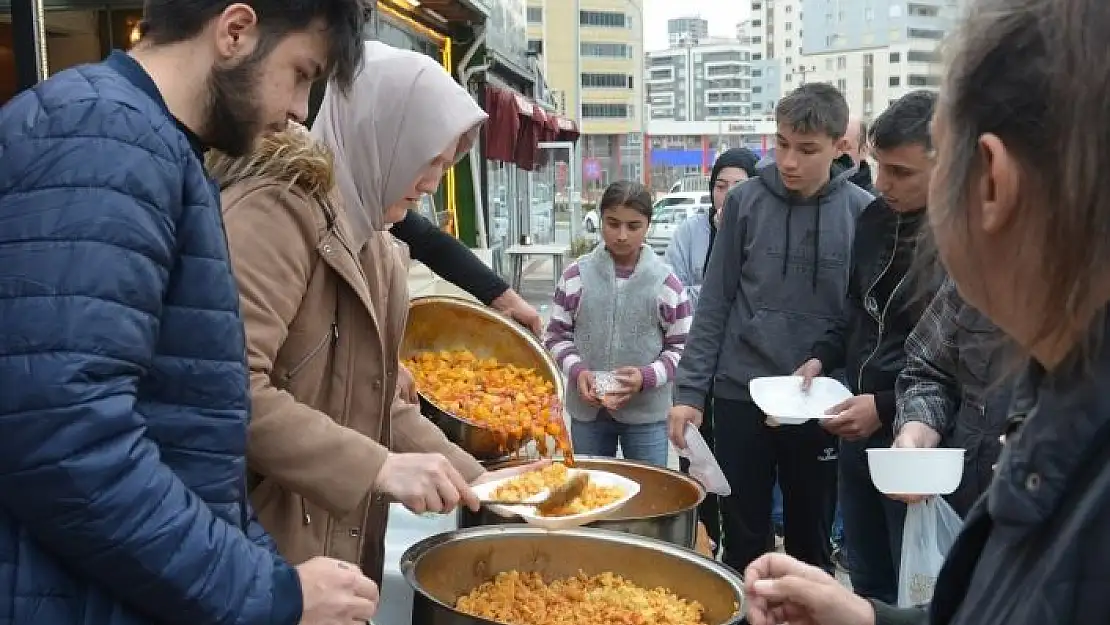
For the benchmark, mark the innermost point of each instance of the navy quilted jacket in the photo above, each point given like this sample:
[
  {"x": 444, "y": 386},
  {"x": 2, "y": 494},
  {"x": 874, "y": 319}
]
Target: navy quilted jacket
[{"x": 123, "y": 384}]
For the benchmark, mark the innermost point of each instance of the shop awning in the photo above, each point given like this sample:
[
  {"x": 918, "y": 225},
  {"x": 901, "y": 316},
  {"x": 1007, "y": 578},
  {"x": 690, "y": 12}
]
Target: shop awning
[
  {"x": 677, "y": 158},
  {"x": 457, "y": 11},
  {"x": 517, "y": 126}
]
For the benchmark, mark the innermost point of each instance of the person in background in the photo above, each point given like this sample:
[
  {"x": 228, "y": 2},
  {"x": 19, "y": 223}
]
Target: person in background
[
  {"x": 124, "y": 413},
  {"x": 689, "y": 250},
  {"x": 952, "y": 390},
  {"x": 620, "y": 309},
  {"x": 855, "y": 155},
  {"x": 1023, "y": 237},
  {"x": 687, "y": 255},
  {"x": 777, "y": 273},
  {"x": 883, "y": 304},
  {"x": 323, "y": 290}
]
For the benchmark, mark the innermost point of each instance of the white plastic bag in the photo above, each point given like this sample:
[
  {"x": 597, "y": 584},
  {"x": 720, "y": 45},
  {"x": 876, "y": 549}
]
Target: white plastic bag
[
  {"x": 703, "y": 465},
  {"x": 931, "y": 529}
]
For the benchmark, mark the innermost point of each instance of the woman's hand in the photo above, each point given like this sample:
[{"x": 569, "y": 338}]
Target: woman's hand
[
  {"x": 781, "y": 589},
  {"x": 407, "y": 385},
  {"x": 512, "y": 304}
]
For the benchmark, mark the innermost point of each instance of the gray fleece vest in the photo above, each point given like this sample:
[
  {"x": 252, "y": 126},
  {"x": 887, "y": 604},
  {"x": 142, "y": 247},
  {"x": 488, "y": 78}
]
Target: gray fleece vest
[{"x": 618, "y": 325}]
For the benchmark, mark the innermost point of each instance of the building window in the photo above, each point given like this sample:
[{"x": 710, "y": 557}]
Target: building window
[
  {"x": 921, "y": 56},
  {"x": 869, "y": 60},
  {"x": 789, "y": 44},
  {"x": 922, "y": 11},
  {"x": 789, "y": 9},
  {"x": 535, "y": 15},
  {"x": 535, "y": 46},
  {"x": 607, "y": 50},
  {"x": 757, "y": 23},
  {"x": 923, "y": 81},
  {"x": 757, "y": 56},
  {"x": 868, "y": 14},
  {"x": 925, "y": 33},
  {"x": 603, "y": 19},
  {"x": 606, "y": 81},
  {"x": 841, "y": 62},
  {"x": 789, "y": 27},
  {"x": 895, "y": 81},
  {"x": 895, "y": 57},
  {"x": 757, "y": 89},
  {"x": 842, "y": 85},
  {"x": 868, "y": 82},
  {"x": 756, "y": 73},
  {"x": 604, "y": 111}
]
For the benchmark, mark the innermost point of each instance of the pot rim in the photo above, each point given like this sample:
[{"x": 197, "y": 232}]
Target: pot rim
[{"x": 411, "y": 557}]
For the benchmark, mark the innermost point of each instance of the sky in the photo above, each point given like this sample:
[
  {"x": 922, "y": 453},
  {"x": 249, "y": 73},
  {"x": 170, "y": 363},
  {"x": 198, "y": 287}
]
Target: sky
[{"x": 722, "y": 15}]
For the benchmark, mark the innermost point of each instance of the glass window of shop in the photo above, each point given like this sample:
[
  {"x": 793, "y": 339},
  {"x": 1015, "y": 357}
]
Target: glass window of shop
[
  {"x": 73, "y": 37},
  {"x": 507, "y": 203}
]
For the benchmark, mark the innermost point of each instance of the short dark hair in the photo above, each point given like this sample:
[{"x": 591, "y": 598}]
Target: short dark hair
[
  {"x": 627, "y": 193},
  {"x": 814, "y": 107},
  {"x": 173, "y": 21},
  {"x": 905, "y": 122}
]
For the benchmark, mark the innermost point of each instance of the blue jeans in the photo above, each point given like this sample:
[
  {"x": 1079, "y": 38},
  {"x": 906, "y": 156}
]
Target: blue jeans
[
  {"x": 642, "y": 442},
  {"x": 776, "y": 505}
]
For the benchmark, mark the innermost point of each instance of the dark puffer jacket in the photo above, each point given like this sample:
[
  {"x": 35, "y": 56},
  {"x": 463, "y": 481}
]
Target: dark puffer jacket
[{"x": 123, "y": 414}]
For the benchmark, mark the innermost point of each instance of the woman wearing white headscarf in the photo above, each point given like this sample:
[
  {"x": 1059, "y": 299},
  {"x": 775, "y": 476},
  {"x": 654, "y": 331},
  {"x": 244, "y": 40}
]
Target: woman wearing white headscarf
[{"x": 324, "y": 296}]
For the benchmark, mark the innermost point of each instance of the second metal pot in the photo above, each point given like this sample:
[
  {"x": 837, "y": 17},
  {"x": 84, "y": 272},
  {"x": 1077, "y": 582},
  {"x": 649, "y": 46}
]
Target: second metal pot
[{"x": 665, "y": 508}]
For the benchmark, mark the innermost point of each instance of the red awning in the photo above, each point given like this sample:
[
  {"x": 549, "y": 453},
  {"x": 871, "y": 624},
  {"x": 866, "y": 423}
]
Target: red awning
[
  {"x": 518, "y": 125},
  {"x": 503, "y": 124}
]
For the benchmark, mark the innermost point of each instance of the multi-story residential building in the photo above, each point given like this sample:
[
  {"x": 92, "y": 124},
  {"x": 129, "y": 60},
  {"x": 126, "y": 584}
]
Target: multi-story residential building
[
  {"x": 874, "y": 51},
  {"x": 592, "y": 55},
  {"x": 682, "y": 30},
  {"x": 699, "y": 104}
]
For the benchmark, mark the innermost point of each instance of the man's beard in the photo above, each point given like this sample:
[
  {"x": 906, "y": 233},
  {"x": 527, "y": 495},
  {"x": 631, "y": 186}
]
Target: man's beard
[{"x": 233, "y": 121}]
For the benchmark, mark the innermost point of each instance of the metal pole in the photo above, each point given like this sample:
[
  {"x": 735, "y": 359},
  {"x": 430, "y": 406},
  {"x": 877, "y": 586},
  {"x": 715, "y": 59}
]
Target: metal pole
[
  {"x": 576, "y": 151},
  {"x": 29, "y": 42}
]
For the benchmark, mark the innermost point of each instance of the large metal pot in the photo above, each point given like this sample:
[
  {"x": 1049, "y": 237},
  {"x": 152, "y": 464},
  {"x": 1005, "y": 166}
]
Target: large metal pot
[
  {"x": 665, "y": 508},
  {"x": 446, "y": 566},
  {"x": 439, "y": 323}
]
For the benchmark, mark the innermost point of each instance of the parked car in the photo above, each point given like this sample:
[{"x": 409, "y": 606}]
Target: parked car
[{"x": 666, "y": 221}]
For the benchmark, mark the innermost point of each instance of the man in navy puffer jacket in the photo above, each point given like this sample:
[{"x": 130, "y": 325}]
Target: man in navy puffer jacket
[{"x": 123, "y": 384}]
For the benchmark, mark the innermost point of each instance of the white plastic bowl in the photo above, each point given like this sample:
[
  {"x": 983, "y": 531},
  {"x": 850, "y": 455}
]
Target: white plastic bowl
[
  {"x": 901, "y": 471},
  {"x": 529, "y": 515},
  {"x": 782, "y": 398}
]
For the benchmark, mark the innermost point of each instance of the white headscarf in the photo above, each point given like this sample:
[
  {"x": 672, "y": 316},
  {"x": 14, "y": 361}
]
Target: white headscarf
[{"x": 402, "y": 111}]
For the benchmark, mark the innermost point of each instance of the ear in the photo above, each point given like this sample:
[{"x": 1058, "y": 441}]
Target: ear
[
  {"x": 841, "y": 144},
  {"x": 236, "y": 31},
  {"x": 999, "y": 183}
]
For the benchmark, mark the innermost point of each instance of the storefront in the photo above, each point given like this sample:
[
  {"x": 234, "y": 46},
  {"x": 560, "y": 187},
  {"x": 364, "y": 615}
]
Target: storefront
[{"x": 46, "y": 37}]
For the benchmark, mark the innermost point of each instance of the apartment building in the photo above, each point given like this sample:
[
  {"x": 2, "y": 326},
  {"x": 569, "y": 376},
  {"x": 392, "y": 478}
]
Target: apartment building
[
  {"x": 592, "y": 52},
  {"x": 683, "y": 30},
  {"x": 874, "y": 51},
  {"x": 704, "y": 82}
]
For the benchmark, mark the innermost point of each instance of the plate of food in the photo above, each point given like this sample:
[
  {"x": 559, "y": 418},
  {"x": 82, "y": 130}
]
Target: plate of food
[{"x": 598, "y": 494}]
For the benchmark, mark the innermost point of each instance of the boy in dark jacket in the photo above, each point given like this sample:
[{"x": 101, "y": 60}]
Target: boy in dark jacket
[
  {"x": 777, "y": 273},
  {"x": 126, "y": 399},
  {"x": 883, "y": 304}
]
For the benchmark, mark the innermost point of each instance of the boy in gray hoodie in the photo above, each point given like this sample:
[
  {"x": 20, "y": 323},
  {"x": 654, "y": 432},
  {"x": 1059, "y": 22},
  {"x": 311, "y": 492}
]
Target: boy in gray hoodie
[{"x": 775, "y": 282}]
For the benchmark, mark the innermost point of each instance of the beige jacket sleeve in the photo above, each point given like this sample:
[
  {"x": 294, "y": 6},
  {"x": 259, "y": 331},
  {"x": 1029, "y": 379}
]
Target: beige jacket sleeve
[
  {"x": 272, "y": 241},
  {"x": 412, "y": 432}
]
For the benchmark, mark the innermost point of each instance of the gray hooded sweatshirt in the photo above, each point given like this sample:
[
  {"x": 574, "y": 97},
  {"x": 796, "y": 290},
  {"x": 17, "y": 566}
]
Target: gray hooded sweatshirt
[{"x": 776, "y": 280}]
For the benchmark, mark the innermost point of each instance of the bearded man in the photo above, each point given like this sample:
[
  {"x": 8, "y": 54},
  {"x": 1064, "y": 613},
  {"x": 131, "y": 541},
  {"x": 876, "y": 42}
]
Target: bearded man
[{"x": 123, "y": 415}]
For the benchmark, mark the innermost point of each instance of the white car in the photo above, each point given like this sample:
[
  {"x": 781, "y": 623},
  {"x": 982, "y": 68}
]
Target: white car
[{"x": 666, "y": 222}]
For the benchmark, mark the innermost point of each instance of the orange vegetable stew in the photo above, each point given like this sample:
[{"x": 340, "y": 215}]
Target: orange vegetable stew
[{"x": 516, "y": 403}]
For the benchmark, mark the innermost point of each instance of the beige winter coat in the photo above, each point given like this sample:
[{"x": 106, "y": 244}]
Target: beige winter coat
[{"x": 324, "y": 325}]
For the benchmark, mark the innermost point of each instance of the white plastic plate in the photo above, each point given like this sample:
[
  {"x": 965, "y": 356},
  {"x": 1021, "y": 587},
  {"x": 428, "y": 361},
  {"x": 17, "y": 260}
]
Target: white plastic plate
[
  {"x": 782, "y": 398},
  {"x": 532, "y": 517},
  {"x": 703, "y": 464}
]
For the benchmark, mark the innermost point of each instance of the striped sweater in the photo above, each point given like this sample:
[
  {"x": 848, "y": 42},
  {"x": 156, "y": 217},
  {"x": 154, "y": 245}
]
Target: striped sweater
[{"x": 675, "y": 315}]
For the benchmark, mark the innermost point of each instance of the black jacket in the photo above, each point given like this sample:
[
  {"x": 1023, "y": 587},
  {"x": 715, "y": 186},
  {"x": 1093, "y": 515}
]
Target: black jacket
[
  {"x": 883, "y": 305},
  {"x": 448, "y": 257},
  {"x": 1034, "y": 550}
]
